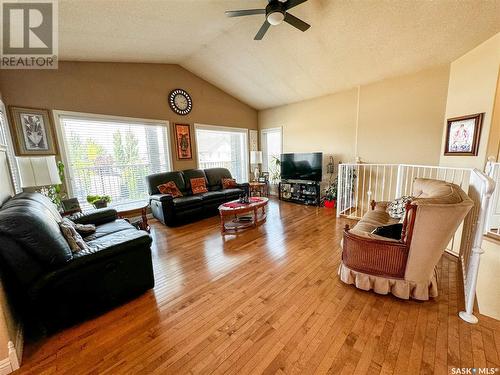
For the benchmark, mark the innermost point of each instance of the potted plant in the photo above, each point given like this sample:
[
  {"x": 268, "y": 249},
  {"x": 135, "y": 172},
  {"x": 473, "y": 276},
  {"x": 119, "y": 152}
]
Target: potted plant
[
  {"x": 330, "y": 196},
  {"x": 99, "y": 201}
]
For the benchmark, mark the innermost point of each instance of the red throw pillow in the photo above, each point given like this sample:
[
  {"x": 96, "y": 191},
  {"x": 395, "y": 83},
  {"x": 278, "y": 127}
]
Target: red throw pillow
[
  {"x": 170, "y": 188},
  {"x": 198, "y": 185},
  {"x": 229, "y": 183}
]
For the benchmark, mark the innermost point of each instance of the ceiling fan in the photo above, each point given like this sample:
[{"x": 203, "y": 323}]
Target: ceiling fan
[{"x": 276, "y": 12}]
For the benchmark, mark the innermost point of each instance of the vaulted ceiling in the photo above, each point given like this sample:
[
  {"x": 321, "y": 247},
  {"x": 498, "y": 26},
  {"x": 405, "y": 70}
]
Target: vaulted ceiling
[{"x": 350, "y": 42}]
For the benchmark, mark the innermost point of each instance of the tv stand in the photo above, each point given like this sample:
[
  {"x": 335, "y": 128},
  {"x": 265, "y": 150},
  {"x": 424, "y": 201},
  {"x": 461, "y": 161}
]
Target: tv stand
[{"x": 300, "y": 191}]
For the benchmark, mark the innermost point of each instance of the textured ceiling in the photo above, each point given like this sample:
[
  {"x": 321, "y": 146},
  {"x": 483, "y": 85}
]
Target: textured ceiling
[{"x": 350, "y": 42}]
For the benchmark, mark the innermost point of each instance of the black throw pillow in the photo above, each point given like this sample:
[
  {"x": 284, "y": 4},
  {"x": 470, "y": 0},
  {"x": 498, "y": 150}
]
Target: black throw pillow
[{"x": 393, "y": 231}]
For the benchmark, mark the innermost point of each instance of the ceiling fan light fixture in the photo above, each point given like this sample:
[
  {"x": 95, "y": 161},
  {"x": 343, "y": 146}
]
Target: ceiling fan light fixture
[{"x": 275, "y": 18}]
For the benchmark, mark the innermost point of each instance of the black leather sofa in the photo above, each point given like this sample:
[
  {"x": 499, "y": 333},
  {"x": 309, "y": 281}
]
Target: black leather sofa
[
  {"x": 49, "y": 286},
  {"x": 175, "y": 211}
]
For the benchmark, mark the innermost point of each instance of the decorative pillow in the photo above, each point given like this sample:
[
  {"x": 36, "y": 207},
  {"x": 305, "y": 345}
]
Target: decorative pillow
[
  {"x": 75, "y": 241},
  {"x": 170, "y": 188},
  {"x": 389, "y": 231},
  {"x": 85, "y": 229},
  {"x": 229, "y": 183},
  {"x": 198, "y": 185},
  {"x": 396, "y": 209}
]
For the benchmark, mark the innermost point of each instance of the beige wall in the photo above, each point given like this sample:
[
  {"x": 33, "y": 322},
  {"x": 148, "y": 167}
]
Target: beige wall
[
  {"x": 122, "y": 89},
  {"x": 400, "y": 120},
  {"x": 493, "y": 148},
  {"x": 472, "y": 87}
]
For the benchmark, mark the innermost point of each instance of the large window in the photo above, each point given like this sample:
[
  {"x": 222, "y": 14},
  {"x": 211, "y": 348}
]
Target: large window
[
  {"x": 6, "y": 143},
  {"x": 271, "y": 150},
  {"x": 112, "y": 156},
  {"x": 223, "y": 147}
]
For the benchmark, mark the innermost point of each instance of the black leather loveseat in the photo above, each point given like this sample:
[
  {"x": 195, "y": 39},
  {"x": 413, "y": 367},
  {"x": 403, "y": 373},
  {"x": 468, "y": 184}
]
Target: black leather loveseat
[
  {"x": 49, "y": 286},
  {"x": 174, "y": 211}
]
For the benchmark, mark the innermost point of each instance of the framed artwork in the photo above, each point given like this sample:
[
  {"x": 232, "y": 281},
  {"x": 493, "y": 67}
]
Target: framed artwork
[
  {"x": 463, "y": 135},
  {"x": 183, "y": 141},
  {"x": 33, "y": 131}
]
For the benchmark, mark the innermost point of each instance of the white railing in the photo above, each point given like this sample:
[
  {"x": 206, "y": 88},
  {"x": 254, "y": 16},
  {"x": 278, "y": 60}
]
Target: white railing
[
  {"x": 493, "y": 217},
  {"x": 481, "y": 187},
  {"x": 359, "y": 184},
  {"x": 121, "y": 182}
]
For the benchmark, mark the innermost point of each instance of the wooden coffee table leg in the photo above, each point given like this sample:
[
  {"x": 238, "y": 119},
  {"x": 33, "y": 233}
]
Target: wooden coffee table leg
[{"x": 222, "y": 226}]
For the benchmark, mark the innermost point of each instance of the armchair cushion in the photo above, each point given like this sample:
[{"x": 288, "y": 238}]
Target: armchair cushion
[{"x": 96, "y": 217}]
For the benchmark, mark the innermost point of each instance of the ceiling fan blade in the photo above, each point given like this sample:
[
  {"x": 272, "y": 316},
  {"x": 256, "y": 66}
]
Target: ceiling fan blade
[
  {"x": 296, "y": 22},
  {"x": 263, "y": 29},
  {"x": 244, "y": 12},
  {"x": 293, "y": 3}
]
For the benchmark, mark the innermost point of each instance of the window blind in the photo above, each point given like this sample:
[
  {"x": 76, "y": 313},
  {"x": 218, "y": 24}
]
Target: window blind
[{"x": 113, "y": 157}]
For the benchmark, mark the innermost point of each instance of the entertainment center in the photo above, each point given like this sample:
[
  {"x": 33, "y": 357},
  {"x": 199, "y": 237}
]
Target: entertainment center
[{"x": 301, "y": 175}]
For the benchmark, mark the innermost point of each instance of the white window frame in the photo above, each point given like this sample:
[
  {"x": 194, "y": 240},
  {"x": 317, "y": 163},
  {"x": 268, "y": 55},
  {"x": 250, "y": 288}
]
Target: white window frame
[
  {"x": 244, "y": 131},
  {"x": 263, "y": 145},
  {"x": 63, "y": 147},
  {"x": 11, "y": 155}
]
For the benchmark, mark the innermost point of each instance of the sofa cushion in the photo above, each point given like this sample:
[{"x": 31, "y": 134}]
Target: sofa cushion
[
  {"x": 232, "y": 193},
  {"x": 187, "y": 201},
  {"x": 215, "y": 176},
  {"x": 114, "y": 242},
  {"x": 109, "y": 228},
  {"x": 212, "y": 195},
  {"x": 170, "y": 188},
  {"x": 154, "y": 180}
]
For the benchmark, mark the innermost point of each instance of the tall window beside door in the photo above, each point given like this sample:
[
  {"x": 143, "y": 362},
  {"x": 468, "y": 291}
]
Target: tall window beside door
[
  {"x": 271, "y": 145},
  {"x": 113, "y": 156},
  {"x": 224, "y": 147}
]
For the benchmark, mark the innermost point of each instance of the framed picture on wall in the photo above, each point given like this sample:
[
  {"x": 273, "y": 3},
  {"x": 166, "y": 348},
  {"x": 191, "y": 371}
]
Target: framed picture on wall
[
  {"x": 33, "y": 131},
  {"x": 183, "y": 141},
  {"x": 463, "y": 135}
]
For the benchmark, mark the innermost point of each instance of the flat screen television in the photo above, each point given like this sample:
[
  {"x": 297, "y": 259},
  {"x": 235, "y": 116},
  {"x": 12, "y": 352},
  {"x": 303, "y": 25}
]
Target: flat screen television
[{"x": 302, "y": 166}]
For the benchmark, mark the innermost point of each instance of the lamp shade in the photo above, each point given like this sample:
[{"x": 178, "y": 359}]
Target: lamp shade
[
  {"x": 256, "y": 157},
  {"x": 38, "y": 171}
]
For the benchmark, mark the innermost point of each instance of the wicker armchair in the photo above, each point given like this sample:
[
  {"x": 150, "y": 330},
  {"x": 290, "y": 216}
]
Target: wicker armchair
[{"x": 406, "y": 267}]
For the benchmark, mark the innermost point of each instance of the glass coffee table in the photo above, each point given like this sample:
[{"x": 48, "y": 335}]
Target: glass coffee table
[
  {"x": 235, "y": 216},
  {"x": 134, "y": 209}
]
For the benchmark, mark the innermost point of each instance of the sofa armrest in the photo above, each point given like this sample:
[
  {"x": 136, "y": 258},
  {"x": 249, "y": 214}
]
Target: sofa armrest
[
  {"x": 161, "y": 197},
  {"x": 96, "y": 217}
]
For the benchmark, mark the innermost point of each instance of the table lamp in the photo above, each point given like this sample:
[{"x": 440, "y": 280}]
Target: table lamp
[
  {"x": 40, "y": 172},
  {"x": 256, "y": 159}
]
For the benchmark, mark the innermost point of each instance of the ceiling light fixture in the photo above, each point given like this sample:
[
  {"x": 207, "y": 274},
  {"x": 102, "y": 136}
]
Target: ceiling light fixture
[{"x": 275, "y": 18}]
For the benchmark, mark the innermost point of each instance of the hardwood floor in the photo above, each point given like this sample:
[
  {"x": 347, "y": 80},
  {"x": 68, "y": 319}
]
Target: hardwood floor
[{"x": 268, "y": 301}]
